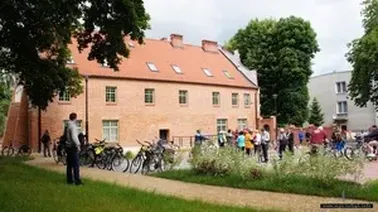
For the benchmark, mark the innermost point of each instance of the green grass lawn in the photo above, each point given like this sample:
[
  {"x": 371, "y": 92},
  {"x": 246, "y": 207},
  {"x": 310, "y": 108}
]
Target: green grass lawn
[
  {"x": 26, "y": 188},
  {"x": 285, "y": 184}
]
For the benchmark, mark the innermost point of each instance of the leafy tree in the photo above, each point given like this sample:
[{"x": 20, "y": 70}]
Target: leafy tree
[
  {"x": 34, "y": 35},
  {"x": 5, "y": 98},
  {"x": 316, "y": 115},
  {"x": 281, "y": 52},
  {"x": 362, "y": 55}
]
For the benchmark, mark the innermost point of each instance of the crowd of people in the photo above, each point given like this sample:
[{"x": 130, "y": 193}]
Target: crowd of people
[{"x": 252, "y": 141}]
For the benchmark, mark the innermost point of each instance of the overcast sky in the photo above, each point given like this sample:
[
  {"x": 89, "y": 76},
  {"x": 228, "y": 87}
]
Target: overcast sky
[{"x": 336, "y": 22}]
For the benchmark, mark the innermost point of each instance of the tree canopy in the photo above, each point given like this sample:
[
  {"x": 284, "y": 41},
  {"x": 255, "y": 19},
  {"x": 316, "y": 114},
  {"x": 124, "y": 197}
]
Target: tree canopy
[
  {"x": 316, "y": 115},
  {"x": 281, "y": 52},
  {"x": 362, "y": 55},
  {"x": 34, "y": 35}
]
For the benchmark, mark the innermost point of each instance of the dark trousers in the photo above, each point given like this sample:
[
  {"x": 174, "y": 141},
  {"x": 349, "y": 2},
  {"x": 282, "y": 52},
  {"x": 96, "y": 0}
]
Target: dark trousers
[
  {"x": 248, "y": 151},
  {"x": 282, "y": 148},
  {"x": 257, "y": 148},
  {"x": 291, "y": 146},
  {"x": 73, "y": 166},
  {"x": 264, "y": 147},
  {"x": 46, "y": 148}
]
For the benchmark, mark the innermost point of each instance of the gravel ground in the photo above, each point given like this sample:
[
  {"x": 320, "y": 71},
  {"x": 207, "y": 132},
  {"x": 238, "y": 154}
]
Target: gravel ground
[{"x": 212, "y": 194}]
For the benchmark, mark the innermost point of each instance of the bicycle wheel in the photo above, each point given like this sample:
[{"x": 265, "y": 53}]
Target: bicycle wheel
[
  {"x": 120, "y": 163},
  {"x": 5, "y": 151},
  {"x": 146, "y": 166},
  {"x": 349, "y": 153},
  {"x": 136, "y": 164},
  {"x": 55, "y": 155},
  {"x": 24, "y": 150}
]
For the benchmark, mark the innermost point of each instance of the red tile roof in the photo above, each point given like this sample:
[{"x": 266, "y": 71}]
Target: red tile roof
[{"x": 190, "y": 59}]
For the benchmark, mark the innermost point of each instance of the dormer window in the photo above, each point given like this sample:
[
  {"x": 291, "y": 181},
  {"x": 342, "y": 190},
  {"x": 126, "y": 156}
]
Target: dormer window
[
  {"x": 105, "y": 64},
  {"x": 177, "y": 69},
  {"x": 228, "y": 75},
  {"x": 207, "y": 72},
  {"x": 70, "y": 60},
  {"x": 152, "y": 67}
]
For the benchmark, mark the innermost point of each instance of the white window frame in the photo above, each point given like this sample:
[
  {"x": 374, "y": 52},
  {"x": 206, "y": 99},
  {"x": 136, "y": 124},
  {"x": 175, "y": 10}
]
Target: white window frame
[
  {"x": 64, "y": 96},
  {"x": 177, "y": 69},
  {"x": 222, "y": 125},
  {"x": 247, "y": 99},
  {"x": 227, "y": 74},
  {"x": 207, "y": 72},
  {"x": 216, "y": 97},
  {"x": 152, "y": 67},
  {"x": 70, "y": 60},
  {"x": 344, "y": 107},
  {"x": 233, "y": 96},
  {"x": 343, "y": 89},
  {"x": 149, "y": 94},
  {"x": 242, "y": 123},
  {"x": 105, "y": 64},
  {"x": 183, "y": 95},
  {"x": 112, "y": 134},
  {"x": 110, "y": 92}
]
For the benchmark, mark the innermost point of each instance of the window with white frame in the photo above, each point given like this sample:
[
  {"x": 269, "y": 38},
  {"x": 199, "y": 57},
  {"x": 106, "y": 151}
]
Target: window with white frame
[
  {"x": 247, "y": 99},
  {"x": 341, "y": 87},
  {"x": 105, "y": 64},
  {"x": 242, "y": 124},
  {"x": 64, "y": 96},
  {"x": 70, "y": 60},
  {"x": 149, "y": 94},
  {"x": 110, "y": 130},
  {"x": 228, "y": 75},
  {"x": 207, "y": 72},
  {"x": 216, "y": 98},
  {"x": 342, "y": 107},
  {"x": 222, "y": 125},
  {"x": 183, "y": 97},
  {"x": 152, "y": 67},
  {"x": 110, "y": 94},
  {"x": 235, "y": 99},
  {"x": 177, "y": 69}
]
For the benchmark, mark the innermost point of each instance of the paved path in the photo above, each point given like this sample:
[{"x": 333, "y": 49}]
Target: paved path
[{"x": 212, "y": 194}]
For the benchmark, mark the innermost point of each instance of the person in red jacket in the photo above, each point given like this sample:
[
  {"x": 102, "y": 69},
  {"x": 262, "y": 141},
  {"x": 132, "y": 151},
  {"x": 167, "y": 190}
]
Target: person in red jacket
[{"x": 318, "y": 138}]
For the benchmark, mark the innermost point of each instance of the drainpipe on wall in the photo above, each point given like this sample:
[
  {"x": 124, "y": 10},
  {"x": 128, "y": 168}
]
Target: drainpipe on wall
[
  {"x": 86, "y": 109},
  {"x": 39, "y": 129}
]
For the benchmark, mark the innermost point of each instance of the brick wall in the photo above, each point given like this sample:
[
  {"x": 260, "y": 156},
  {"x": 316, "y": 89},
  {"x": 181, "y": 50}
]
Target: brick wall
[{"x": 138, "y": 121}]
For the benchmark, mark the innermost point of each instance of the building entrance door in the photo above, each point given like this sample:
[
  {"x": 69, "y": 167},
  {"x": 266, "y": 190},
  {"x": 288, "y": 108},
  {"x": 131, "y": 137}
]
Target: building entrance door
[{"x": 164, "y": 134}]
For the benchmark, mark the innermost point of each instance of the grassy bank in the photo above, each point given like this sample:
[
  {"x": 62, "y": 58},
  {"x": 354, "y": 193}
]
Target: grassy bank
[
  {"x": 26, "y": 188},
  {"x": 285, "y": 184}
]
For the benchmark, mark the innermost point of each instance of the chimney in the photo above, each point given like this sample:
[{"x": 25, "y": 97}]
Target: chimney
[
  {"x": 210, "y": 46},
  {"x": 176, "y": 41}
]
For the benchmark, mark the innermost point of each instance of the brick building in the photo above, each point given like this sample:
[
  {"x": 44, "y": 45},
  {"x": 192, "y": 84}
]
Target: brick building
[{"x": 165, "y": 88}]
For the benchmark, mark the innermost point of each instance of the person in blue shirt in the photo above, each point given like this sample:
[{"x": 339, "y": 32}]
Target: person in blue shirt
[
  {"x": 241, "y": 141},
  {"x": 301, "y": 136}
]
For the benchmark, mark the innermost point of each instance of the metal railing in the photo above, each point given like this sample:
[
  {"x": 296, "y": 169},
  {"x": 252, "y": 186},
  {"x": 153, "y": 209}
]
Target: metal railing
[{"x": 188, "y": 141}]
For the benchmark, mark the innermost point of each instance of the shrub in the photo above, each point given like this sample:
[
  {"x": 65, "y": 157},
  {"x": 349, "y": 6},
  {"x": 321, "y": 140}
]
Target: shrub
[
  {"x": 229, "y": 161},
  {"x": 223, "y": 161},
  {"x": 129, "y": 155}
]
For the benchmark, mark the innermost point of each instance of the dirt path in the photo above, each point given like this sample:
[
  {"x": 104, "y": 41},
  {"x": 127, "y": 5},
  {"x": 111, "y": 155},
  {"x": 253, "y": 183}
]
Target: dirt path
[{"x": 212, "y": 194}]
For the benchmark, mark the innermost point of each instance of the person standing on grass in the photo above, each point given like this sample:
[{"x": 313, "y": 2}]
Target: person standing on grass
[
  {"x": 265, "y": 138},
  {"x": 248, "y": 142},
  {"x": 73, "y": 149},
  {"x": 46, "y": 140},
  {"x": 257, "y": 141},
  {"x": 241, "y": 141},
  {"x": 301, "y": 136},
  {"x": 229, "y": 137},
  {"x": 318, "y": 138},
  {"x": 283, "y": 141},
  {"x": 290, "y": 139}
]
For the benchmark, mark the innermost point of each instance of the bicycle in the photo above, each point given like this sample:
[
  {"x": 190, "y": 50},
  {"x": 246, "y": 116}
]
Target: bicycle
[
  {"x": 139, "y": 159},
  {"x": 362, "y": 148},
  {"x": 24, "y": 150},
  {"x": 59, "y": 152}
]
